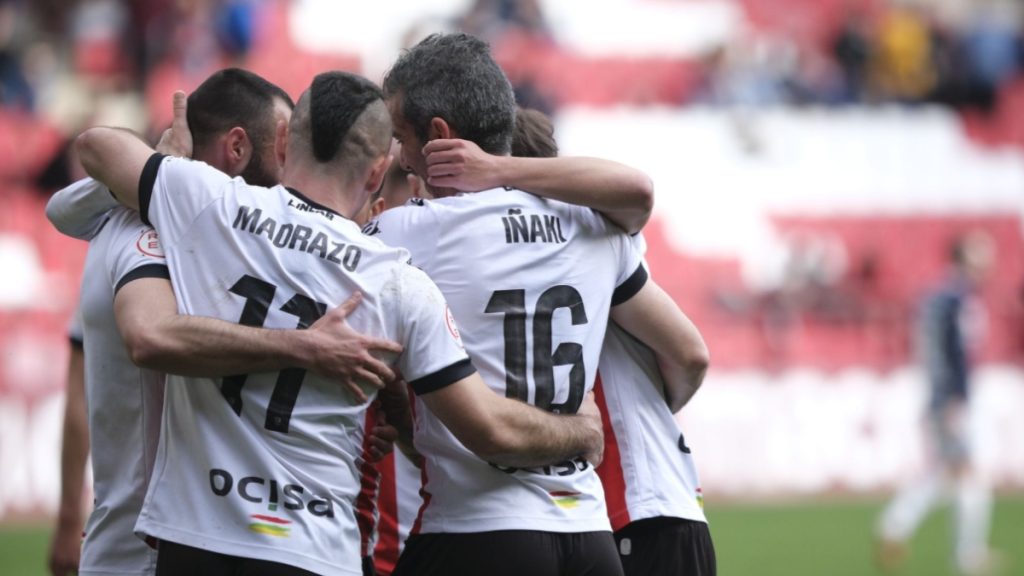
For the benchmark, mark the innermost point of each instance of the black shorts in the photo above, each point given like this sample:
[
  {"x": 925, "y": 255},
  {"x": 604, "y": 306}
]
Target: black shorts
[
  {"x": 510, "y": 553},
  {"x": 176, "y": 559},
  {"x": 666, "y": 546}
]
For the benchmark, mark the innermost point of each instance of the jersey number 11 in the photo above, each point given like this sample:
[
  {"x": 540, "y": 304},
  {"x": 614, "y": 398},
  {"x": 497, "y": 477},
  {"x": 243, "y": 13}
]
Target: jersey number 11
[{"x": 258, "y": 295}]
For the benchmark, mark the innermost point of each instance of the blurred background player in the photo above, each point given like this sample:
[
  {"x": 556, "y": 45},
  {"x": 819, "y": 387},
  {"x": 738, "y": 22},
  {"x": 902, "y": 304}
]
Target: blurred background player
[{"x": 947, "y": 331}]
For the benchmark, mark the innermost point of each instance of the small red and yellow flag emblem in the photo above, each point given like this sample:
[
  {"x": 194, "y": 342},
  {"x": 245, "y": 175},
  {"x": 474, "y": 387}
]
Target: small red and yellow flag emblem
[
  {"x": 270, "y": 525},
  {"x": 565, "y": 500}
]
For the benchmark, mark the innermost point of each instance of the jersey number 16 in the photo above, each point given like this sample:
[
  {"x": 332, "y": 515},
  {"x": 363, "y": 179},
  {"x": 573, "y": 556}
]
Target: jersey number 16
[{"x": 512, "y": 303}]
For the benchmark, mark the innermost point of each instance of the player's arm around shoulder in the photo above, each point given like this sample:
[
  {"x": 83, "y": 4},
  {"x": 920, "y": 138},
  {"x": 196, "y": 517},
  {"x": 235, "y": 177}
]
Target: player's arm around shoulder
[
  {"x": 125, "y": 163},
  {"x": 625, "y": 195},
  {"x": 159, "y": 338},
  {"x": 115, "y": 157}
]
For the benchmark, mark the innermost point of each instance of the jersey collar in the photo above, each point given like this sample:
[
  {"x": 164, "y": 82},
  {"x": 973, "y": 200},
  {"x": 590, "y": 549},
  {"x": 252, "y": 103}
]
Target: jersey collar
[{"x": 318, "y": 205}]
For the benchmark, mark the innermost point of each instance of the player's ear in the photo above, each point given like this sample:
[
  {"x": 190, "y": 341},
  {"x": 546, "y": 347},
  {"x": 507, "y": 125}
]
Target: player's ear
[
  {"x": 376, "y": 207},
  {"x": 377, "y": 172},
  {"x": 239, "y": 149},
  {"x": 439, "y": 128}
]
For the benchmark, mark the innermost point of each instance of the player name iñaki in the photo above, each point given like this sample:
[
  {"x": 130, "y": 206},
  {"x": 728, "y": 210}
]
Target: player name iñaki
[{"x": 521, "y": 227}]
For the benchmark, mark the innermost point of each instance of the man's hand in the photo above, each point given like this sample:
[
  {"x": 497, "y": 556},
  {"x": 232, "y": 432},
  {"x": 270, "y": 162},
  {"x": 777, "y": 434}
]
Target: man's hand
[
  {"x": 177, "y": 140},
  {"x": 462, "y": 165},
  {"x": 592, "y": 415},
  {"x": 344, "y": 355},
  {"x": 382, "y": 438},
  {"x": 65, "y": 549}
]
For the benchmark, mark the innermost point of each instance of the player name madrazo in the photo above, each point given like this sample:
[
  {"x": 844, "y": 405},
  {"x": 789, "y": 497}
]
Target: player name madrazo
[
  {"x": 297, "y": 237},
  {"x": 521, "y": 228}
]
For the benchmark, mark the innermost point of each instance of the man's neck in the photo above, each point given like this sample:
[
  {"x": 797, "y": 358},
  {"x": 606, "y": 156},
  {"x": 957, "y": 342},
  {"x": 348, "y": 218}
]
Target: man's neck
[{"x": 328, "y": 192}]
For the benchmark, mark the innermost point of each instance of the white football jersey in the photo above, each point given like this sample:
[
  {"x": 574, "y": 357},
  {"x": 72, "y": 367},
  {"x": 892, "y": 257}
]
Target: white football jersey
[
  {"x": 80, "y": 209},
  {"x": 123, "y": 401},
  {"x": 265, "y": 466},
  {"x": 648, "y": 470},
  {"x": 531, "y": 282}
]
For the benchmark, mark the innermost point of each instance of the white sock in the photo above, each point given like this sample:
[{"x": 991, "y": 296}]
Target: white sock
[
  {"x": 908, "y": 509},
  {"x": 972, "y": 519}
]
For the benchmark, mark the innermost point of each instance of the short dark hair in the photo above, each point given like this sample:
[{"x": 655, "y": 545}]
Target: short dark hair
[
  {"x": 454, "y": 77},
  {"x": 342, "y": 118},
  {"x": 534, "y": 136},
  {"x": 336, "y": 101},
  {"x": 234, "y": 97}
]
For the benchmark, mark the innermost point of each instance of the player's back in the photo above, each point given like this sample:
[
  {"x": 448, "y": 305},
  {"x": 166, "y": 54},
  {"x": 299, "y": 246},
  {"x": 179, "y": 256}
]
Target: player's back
[
  {"x": 264, "y": 465},
  {"x": 648, "y": 469},
  {"x": 530, "y": 283},
  {"x": 123, "y": 401}
]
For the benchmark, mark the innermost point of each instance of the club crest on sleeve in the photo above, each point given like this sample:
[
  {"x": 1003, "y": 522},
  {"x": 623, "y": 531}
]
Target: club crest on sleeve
[
  {"x": 452, "y": 327},
  {"x": 149, "y": 244}
]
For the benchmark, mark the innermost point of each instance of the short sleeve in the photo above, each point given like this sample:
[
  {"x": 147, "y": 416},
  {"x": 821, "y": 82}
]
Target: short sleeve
[
  {"x": 174, "y": 191},
  {"x": 135, "y": 251},
  {"x": 433, "y": 355},
  {"x": 413, "y": 226},
  {"x": 632, "y": 274}
]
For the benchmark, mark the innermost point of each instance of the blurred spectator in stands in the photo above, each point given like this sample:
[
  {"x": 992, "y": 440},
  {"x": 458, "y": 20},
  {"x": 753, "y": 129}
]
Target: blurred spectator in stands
[
  {"x": 949, "y": 325},
  {"x": 489, "y": 19},
  {"x": 236, "y": 26},
  {"x": 97, "y": 32},
  {"x": 15, "y": 91},
  {"x": 954, "y": 81},
  {"x": 901, "y": 65},
  {"x": 521, "y": 41},
  {"x": 991, "y": 47},
  {"x": 851, "y": 48},
  {"x": 752, "y": 72}
]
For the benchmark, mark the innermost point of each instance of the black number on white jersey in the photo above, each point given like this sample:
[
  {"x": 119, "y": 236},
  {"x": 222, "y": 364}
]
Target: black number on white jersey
[
  {"x": 512, "y": 303},
  {"x": 258, "y": 295}
]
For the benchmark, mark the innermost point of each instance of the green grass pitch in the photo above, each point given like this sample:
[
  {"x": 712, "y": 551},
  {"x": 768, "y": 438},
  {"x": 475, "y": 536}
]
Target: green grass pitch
[{"x": 792, "y": 539}]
